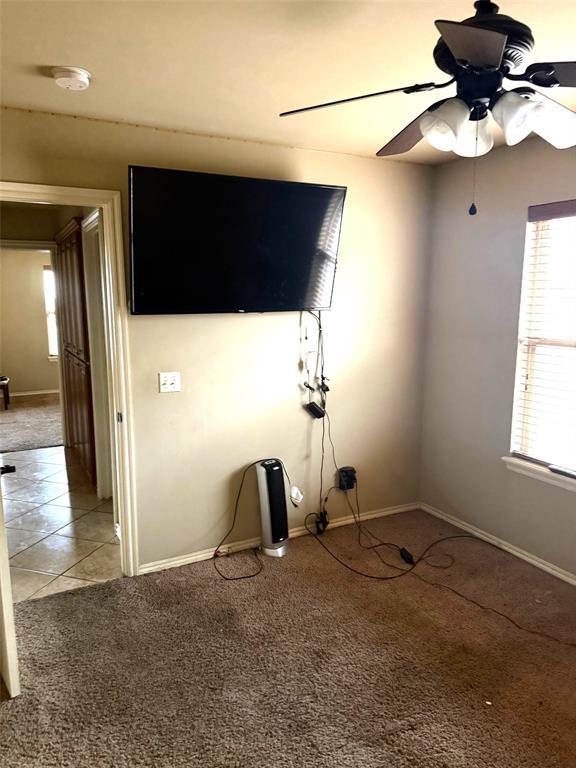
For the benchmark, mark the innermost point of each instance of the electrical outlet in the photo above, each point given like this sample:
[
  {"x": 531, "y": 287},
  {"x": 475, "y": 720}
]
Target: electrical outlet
[{"x": 169, "y": 381}]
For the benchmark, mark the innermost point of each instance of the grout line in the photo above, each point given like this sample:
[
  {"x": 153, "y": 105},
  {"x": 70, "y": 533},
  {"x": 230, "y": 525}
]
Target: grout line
[
  {"x": 51, "y": 533},
  {"x": 21, "y": 513},
  {"x": 38, "y": 590},
  {"x": 82, "y": 560},
  {"x": 69, "y": 568},
  {"x": 45, "y": 536},
  {"x": 30, "y": 597}
]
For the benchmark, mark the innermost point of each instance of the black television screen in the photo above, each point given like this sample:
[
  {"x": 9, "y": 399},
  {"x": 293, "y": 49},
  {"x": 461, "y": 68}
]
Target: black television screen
[{"x": 202, "y": 242}]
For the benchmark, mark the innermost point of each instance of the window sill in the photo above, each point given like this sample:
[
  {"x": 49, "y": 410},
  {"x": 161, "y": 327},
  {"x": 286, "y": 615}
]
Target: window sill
[
  {"x": 538, "y": 472},
  {"x": 53, "y": 358}
]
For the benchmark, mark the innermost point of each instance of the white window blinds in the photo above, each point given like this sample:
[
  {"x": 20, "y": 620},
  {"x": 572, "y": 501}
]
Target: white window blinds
[{"x": 544, "y": 423}]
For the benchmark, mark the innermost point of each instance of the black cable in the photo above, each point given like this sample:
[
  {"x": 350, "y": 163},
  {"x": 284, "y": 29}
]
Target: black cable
[
  {"x": 331, "y": 441},
  {"x": 321, "y": 515},
  {"x": 438, "y": 585},
  {"x": 468, "y": 599},
  {"x": 236, "y": 503},
  {"x": 285, "y": 472},
  {"x": 229, "y": 531},
  {"x": 391, "y": 545},
  {"x": 246, "y": 575},
  {"x": 323, "y": 454},
  {"x": 349, "y": 567}
]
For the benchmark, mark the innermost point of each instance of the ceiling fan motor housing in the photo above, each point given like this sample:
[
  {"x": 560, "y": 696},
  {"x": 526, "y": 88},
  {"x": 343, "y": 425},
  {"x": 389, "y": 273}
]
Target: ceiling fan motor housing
[{"x": 519, "y": 44}]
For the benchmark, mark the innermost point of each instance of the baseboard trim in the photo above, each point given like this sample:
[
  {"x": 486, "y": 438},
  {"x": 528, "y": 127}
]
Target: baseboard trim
[
  {"x": 36, "y": 392},
  {"x": 538, "y": 562},
  {"x": 238, "y": 546}
]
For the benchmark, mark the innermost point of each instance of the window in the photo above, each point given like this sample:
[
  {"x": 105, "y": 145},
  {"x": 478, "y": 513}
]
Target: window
[
  {"x": 544, "y": 422},
  {"x": 50, "y": 304}
]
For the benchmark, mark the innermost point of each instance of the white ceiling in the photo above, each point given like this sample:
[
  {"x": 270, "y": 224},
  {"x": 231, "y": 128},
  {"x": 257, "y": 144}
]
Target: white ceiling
[{"x": 229, "y": 68}]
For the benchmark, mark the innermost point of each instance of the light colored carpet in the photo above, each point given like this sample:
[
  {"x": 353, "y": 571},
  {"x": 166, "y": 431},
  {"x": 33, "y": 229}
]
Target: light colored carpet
[
  {"x": 306, "y": 666},
  {"x": 32, "y": 421}
]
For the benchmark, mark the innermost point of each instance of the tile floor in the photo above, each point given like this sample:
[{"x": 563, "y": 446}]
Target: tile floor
[{"x": 60, "y": 534}]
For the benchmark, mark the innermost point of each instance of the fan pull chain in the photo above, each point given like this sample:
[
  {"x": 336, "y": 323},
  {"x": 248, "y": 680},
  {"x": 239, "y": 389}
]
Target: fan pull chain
[{"x": 473, "y": 210}]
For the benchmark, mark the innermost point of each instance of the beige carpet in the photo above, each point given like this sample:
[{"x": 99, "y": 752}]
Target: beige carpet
[
  {"x": 32, "y": 421},
  {"x": 306, "y": 666}
]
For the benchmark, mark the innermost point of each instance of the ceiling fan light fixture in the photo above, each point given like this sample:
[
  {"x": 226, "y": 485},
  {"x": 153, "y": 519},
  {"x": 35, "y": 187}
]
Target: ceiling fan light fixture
[
  {"x": 480, "y": 53},
  {"x": 442, "y": 126},
  {"x": 515, "y": 115},
  {"x": 475, "y": 138}
]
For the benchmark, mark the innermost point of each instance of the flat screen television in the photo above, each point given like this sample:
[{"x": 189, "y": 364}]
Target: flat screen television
[{"x": 202, "y": 242}]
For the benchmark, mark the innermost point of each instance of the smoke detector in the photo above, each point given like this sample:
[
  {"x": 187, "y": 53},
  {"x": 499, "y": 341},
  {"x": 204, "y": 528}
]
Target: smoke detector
[{"x": 72, "y": 78}]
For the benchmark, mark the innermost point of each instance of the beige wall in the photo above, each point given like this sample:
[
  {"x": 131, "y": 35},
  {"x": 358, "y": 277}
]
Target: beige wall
[
  {"x": 28, "y": 222},
  {"x": 241, "y": 398},
  {"x": 472, "y": 326},
  {"x": 23, "y": 333}
]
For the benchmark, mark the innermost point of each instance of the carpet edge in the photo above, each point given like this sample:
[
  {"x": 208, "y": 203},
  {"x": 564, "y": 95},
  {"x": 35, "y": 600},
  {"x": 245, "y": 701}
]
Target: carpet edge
[
  {"x": 293, "y": 533},
  {"x": 537, "y": 562}
]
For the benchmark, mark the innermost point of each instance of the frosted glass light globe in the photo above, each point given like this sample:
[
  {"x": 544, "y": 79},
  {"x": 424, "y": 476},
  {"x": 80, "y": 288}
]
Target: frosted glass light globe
[{"x": 441, "y": 127}]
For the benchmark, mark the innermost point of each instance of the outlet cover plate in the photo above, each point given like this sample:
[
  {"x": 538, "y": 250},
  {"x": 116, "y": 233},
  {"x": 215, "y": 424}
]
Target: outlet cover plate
[{"x": 169, "y": 381}]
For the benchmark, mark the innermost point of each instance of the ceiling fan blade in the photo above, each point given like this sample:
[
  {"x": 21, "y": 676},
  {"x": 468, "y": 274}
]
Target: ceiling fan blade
[
  {"x": 417, "y": 88},
  {"x": 408, "y": 136},
  {"x": 478, "y": 46},
  {"x": 551, "y": 74}
]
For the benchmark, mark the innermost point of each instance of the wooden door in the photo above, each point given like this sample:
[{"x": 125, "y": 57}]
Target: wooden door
[
  {"x": 78, "y": 408},
  {"x": 76, "y": 375}
]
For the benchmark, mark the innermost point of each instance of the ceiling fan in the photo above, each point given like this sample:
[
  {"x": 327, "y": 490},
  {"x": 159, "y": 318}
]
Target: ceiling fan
[{"x": 480, "y": 53}]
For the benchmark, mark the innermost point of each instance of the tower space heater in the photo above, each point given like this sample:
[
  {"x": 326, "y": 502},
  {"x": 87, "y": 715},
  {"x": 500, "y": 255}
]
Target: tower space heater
[{"x": 273, "y": 514}]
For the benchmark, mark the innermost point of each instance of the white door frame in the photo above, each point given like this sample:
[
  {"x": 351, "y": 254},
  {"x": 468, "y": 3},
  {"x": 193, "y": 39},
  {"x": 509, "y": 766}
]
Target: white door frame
[{"x": 115, "y": 328}]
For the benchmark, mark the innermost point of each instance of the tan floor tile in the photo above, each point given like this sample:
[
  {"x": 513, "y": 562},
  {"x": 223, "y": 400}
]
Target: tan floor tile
[
  {"x": 102, "y": 565},
  {"x": 26, "y": 583},
  {"x": 6, "y": 458},
  {"x": 63, "y": 458},
  {"x": 37, "y": 471},
  {"x": 74, "y": 477},
  {"x": 78, "y": 499},
  {"x": 107, "y": 506},
  {"x": 56, "y": 461},
  {"x": 34, "y": 454},
  {"x": 93, "y": 526},
  {"x": 11, "y": 457},
  {"x": 62, "y": 584},
  {"x": 12, "y": 483},
  {"x": 47, "y": 519},
  {"x": 13, "y": 509},
  {"x": 54, "y": 554},
  {"x": 18, "y": 541},
  {"x": 39, "y": 491}
]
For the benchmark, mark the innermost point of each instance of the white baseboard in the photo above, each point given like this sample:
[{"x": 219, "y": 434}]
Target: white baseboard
[
  {"x": 36, "y": 392},
  {"x": 544, "y": 565},
  {"x": 237, "y": 546}
]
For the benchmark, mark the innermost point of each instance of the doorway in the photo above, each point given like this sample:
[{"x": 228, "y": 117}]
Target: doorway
[
  {"x": 99, "y": 230},
  {"x": 60, "y": 519}
]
